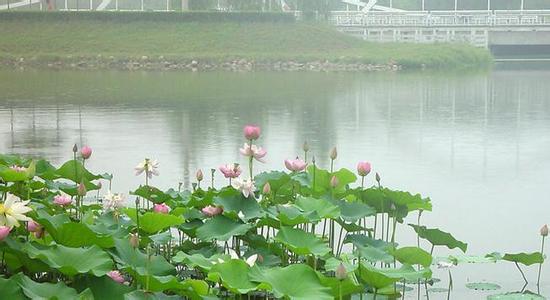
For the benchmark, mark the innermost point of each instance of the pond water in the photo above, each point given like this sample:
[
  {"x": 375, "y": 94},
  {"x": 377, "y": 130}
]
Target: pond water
[{"x": 476, "y": 143}]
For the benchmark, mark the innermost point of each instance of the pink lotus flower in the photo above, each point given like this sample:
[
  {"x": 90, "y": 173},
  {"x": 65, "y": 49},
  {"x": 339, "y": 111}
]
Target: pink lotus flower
[
  {"x": 116, "y": 276},
  {"x": 231, "y": 171},
  {"x": 363, "y": 168},
  {"x": 161, "y": 208},
  {"x": 211, "y": 211},
  {"x": 4, "y": 232},
  {"x": 32, "y": 226},
  {"x": 86, "y": 152},
  {"x": 295, "y": 165},
  {"x": 245, "y": 186},
  {"x": 62, "y": 200},
  {"x": 253, "y": 151},
  {"x": 251, "y": 132}
]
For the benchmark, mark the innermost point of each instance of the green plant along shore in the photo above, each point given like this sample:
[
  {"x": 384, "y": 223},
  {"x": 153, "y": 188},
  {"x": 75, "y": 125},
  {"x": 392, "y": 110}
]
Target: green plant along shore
[
  {"x": 105, "y": 41},
  {"x": 308, "y": 233}
]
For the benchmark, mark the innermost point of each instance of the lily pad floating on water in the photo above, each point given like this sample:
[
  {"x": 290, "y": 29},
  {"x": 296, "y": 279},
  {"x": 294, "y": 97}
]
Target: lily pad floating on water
[
  {"x": 483, "y": 286},
  {"x": 527, "y": 295}
]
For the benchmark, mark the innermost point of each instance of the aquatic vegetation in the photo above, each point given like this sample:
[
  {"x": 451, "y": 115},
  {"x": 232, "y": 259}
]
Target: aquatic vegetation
[{"x": 309, "y": 233}]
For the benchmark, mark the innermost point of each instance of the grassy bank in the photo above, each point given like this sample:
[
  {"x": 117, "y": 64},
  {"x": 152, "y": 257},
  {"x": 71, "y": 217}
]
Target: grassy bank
[{"x": 50, "y": 39}]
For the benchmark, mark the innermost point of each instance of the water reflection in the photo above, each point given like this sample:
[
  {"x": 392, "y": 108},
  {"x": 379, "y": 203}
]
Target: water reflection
[{"x": 476, "y": 143}]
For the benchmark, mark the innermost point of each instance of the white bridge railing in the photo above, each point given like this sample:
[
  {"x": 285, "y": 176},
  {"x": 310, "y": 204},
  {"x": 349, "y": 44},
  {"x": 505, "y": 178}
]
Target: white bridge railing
[{"x": 458, "y": 18}]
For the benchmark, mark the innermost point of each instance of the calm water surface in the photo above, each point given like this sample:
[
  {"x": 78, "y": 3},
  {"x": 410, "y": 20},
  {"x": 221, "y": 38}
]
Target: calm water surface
[{"x": 477, "y": 144}]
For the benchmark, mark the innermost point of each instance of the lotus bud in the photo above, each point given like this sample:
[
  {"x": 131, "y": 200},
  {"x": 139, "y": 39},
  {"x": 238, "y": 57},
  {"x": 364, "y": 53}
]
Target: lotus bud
[
  {"x": 378, "y": 178},
  {"x": 199, "y": 175},
  {"x": 363, "y": 168},
  {"x": 32, "y": 226},
  {"x": 251, "y": 132},
  {"x": 81, "y": 189},
  {"x": 313, "y": 160},
  {"x": 544, "y": 230},
  {"x": 39, "y": 234},
  {"x": 333, "y": 153},
  {"x": 334, "y": 182},
  {"x": 75, "y": 148},
  {"x": 137, "y": 201},
  {"x": 134, "y": 240},
  {"x": 267, "y": 189},
  {"x": 62, "y": 200},
  {"x": 4, "y": 232},
  {"x": 305, "y": 147},
  {"x": 99, "y": 185},
  {"x": 86, "y": 152},
  {"x": 341, "y": 272}
]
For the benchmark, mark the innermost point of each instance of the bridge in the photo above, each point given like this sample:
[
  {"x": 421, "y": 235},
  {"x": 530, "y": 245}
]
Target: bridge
[{"x": 503, "y": 31}]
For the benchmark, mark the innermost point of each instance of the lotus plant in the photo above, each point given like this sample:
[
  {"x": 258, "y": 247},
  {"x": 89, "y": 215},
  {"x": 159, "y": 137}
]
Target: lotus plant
[
  {"x": 363, "y": 169},
  {"x": 231, "y": 171},
  {"x": 245, "y": 186},
  {"x": 252, "y": 133},
  {"x": 113, "y": 202},
  {"x": 543, "y": 234},
  {"x": 86, "y": 152},
  {"x": 116, "y": 276}
]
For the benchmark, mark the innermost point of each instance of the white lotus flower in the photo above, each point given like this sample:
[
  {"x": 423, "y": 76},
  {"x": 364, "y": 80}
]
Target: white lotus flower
[
  {"x": 150, "y": 167},
  {"x": 13, "y": 210},
  {"x": 113, "y": 201},
  {"x": 245, "y": 186}
]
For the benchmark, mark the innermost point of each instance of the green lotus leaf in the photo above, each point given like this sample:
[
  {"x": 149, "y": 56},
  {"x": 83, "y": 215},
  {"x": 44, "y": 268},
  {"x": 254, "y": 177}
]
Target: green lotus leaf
[
  {"x": 472, "y": 259},
  {"x": 80, "y": 235},
  {"x": 527, "y": 295},
  {"x": 152, "y": 222},
  {"x": 221, "y": 228},
  {"x": 301, "y": 242},
  {"x": 152, "y": 194},
  {"x": 133, "y": 260},
  {"x": 525, "y": 258},
  {"x": 9, "y": 175},
  {"x": 323, "y": 208},
  {"x": 71, "y": 261},
  {"x": 483, "y": 286},
  {"x": 413, "y": 256},
  {"x": 339, "y": 287},
  {"x": 276, "y": 180},
  {"x": 161, "y": 238},
  {"x": 291, "y": 215},
  {"x": 323, "y": 177},
  {"x": 35, "y": 290},
  {"x": 75, "y": 171},
  {"x": 103, "y": 287},
  {"x": 352, "y": 227},
  {"x": 297, "y": 282},
  {"x": 394, "y": 289},
  {"x": 374, "y": 277},
  {"x": 234, "y": 202},
  {"x": 16, "y": 257},
  {"x": 142, "y": 295},
  {"x": 353, "y": 211},
  {"x": 332, "y": 263},
  {"x": 72, "y": 188},
  {"x": 11, "y": 290},
  {"x": 233, "y": 274},
  {"x": 198, "y": 260},
  {"x": 439, "y": 238},
  {"x": 360, "y": 240},
  {"x": 412, "y": 202},
  {"x": 374, "y": 254}
]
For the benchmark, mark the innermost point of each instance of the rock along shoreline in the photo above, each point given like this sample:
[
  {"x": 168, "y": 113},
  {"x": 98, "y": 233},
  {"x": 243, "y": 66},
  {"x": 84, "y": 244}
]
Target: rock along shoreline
[{"x": 146, "y": 63}]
